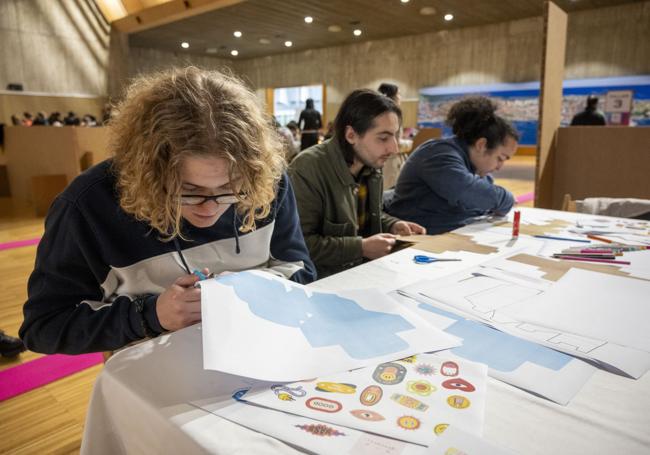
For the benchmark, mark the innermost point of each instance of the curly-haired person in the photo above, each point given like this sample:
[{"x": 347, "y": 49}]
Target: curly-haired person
[
  {"x": 447, "y": 182},
  {"x": 196, "y": 182}
]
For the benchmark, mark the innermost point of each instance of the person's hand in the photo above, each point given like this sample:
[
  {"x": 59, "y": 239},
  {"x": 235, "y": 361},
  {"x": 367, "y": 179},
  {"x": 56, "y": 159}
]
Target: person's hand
[
  {"x": 407, "y": 228},
  {"x": 180, "y": 304},
  {"x": 377, "y": 246}
]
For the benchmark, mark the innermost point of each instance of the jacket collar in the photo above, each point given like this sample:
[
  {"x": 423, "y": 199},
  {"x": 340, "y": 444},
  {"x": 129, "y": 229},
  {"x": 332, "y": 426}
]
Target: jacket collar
[
  {"x": 341, "y": 168},
  {"x": 462, "y": 145}
]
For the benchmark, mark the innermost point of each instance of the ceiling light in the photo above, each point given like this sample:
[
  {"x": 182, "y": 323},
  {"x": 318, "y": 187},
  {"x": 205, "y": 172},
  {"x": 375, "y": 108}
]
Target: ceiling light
[
  {"x": 234, "y": 52},
  {"x": 309, "y": 19},
  {"x": 449, "y": 17},
  {"x": 237, "y": 34},
  {"x": 288, "y": 43},
  {"x": 428, "y": 11},
  {"x": 357, "y": 32},
  {"x": 185, "y": 44},
  {"x": 404, "y": 1},
  {"x": 334, "y": 28},
  {"x": 265, "y": 41}
]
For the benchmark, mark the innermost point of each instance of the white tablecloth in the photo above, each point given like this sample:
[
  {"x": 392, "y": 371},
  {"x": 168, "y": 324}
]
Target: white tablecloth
[{"x": 141, "y": 405}]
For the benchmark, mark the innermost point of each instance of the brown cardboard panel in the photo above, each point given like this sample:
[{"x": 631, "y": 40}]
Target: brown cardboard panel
[
  {"x": 550, "y": 228},
  {"x": 48, "y": 150},
  {"x": 447, "y": 242},
  {"x": 550, "y": 97},
  {"x": 45, "y": 188},
  {"x": 601, "y": 162},
  {"x": 556, "y": 269}
]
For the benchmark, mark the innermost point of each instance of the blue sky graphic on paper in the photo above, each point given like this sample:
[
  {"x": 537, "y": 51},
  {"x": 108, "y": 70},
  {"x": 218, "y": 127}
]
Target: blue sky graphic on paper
[
  {"x": 498, "y": 350},
  {"x": 324, "y": 319}
]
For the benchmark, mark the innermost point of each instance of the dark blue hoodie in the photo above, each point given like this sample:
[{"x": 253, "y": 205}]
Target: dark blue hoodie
[
  {"x": 439, "y": 189},
  {"x": 94, "y": 260}
]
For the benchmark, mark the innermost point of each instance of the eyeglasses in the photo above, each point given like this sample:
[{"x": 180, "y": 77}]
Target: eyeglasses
[{"x": 195, "y": 199}]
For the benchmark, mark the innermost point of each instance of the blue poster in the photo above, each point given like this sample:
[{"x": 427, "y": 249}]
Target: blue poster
[{"x": 518, "y": 102}]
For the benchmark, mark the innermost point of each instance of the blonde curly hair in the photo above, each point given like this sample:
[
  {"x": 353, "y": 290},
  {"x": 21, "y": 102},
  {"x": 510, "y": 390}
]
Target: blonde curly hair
[{"x": 170, "y": 115}]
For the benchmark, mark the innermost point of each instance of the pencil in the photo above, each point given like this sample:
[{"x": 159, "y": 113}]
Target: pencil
[
  {"x": 607, "y": 261},
  {"x": 560, "y": 238},
  {"x": 601, "y": 239}
]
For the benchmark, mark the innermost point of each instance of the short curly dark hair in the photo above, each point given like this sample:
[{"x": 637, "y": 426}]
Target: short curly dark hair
[{"x": 473, "y": 118}]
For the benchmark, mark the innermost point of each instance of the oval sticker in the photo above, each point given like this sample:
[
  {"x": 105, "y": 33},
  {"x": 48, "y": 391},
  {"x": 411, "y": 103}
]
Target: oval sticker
[{"x": 323, "y": 404}]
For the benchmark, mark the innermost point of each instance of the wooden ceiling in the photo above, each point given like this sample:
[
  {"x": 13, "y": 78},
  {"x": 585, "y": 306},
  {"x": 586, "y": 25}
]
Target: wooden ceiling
[{"x": 276, "y": 21}]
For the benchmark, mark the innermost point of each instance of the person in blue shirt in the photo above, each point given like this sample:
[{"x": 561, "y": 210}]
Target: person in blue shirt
[{"x": 446, "y": 182}]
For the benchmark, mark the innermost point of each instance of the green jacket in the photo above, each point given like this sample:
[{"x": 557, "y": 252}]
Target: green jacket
[{"x": 327, "y": 203}]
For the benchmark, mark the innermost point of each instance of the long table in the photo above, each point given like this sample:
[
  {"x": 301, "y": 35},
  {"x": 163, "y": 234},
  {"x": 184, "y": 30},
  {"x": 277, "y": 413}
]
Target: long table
[{"x": 142, "y": 399}]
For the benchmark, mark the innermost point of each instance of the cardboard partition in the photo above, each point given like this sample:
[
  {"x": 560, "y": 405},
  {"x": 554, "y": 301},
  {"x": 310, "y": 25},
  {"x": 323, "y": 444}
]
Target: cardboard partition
[
  {"x": 600, "y": 161},
  {"x": 44, "y": 189},
  {"x": 424, "y": 135},
  {"x": 48, "y": 150}
]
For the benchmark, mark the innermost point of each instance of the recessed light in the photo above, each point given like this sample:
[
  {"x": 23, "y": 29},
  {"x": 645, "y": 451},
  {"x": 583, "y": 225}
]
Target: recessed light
[
  {"x": 234, "y": 52},
  {"x": 185, "y": 44},
  {"x": 404, "y": 1},
  {"x": 309, "y": 19},
  {"x": 237, "y": 34},
  {"x": 357, "y": 32},
  {"x": 265, "y": 41},
  {"x": 428, "y": 11},
  {"x": 449, "y": 17},
  {"x": 288, "y": 43},
  {"x": 211, "y": 50},
  {"x": 334, "y": 28}
]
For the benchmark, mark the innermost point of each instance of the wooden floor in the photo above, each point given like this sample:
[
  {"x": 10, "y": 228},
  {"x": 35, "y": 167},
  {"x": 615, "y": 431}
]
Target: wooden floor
[{"x": 51, "y": 419}]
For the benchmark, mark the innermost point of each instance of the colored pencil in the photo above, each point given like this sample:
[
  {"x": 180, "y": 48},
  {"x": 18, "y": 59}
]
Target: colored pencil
[
  {"x": 607, "y": 261},
  {"x": 601, "y": 239},
  {"x": 560, "y": 238}
]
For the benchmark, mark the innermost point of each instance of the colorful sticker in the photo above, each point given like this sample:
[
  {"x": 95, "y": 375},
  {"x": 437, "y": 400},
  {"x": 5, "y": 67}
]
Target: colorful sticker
[
  {"x": 239, "y": 393},
  {"x": 320, "y": 430},
  {"x": 409, "y": 402},
  {"x": 449, "y": 368},
  {"x": 335, "y": 387},
  {"x": 408, "y": 423},
  {"x": 323, "y": 404},
  {"x": 459, "y": 384},
  {"x": 423, "y": 388},
  {"x": 454, "y": 451},
  {"x": 371, "y": 395},
  {"x": 425, "y": 369},
  {"x": 458, "y": 402},
  {"x": 286, "y": 393},
  {"x": 440, "y": 428},
  {"x": 366, "y": 414},
  {"x": 409, "y": 359},
  {"x": 389, "y": 373}
]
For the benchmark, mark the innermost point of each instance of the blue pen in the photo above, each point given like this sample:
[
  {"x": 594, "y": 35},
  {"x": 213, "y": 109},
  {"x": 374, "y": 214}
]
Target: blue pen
[
  {"x": 422, "y": 259},
  {"x": 550, "y": 237}
]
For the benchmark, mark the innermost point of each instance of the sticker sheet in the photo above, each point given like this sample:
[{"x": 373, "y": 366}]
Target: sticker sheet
[{"x": 412, "y": 399}]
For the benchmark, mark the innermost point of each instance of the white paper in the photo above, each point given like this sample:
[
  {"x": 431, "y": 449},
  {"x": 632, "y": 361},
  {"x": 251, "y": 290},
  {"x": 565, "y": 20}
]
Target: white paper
[
  {"x": 511, "y": 359},
  {"x": 483, "y": 293},
  {"x": 597, "y": 305},
  {"x": 309, "y": 434},
  {"x": 455, "y": 441},
  {"x": 411, "y": 399},
  {"x": 260, "y": 326}
]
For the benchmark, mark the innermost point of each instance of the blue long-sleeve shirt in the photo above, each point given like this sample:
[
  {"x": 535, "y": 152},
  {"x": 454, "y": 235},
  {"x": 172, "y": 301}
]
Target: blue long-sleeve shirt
[
  {"x": 94, "y": 259},
  {"x": 438, "y": 188}
]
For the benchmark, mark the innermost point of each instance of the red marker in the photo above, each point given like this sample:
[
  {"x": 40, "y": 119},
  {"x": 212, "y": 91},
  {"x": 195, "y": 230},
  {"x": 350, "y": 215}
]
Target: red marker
[{"x": 515, "y": 224}]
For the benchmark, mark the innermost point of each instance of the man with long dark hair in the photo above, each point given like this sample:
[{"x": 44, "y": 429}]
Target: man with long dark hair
[{"x": 339, "y": 186}]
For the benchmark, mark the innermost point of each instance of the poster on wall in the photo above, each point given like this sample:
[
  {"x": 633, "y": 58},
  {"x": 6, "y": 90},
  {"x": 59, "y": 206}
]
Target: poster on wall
[{"x": 518, "y": 102}]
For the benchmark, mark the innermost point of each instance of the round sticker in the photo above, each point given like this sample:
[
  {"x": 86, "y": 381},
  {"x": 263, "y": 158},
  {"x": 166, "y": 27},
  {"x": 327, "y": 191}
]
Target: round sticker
[
  {"x": 458, "y": 402},
  {"x": 408, "y": 423},
  {"x": 459, "y": 384}
]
